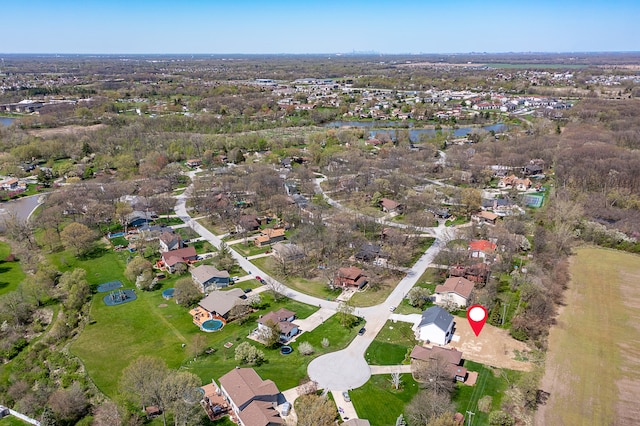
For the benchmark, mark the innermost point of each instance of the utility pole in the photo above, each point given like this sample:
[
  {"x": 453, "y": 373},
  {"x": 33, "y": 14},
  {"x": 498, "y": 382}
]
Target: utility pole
[
  {"x": 504, "y": 312},
  {"x": 469, "y": 415}
]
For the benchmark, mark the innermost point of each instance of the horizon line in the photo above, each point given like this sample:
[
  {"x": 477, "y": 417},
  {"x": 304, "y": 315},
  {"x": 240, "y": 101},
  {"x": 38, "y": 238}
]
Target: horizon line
[{"x": 353, "y": 53}]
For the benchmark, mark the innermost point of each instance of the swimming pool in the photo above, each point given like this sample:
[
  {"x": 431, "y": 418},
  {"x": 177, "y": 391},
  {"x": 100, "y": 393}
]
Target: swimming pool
[
  {"x": 212, "y": 325},
  {"x": 168, "y": 293},
  {"x": 286, "y": 350},
  {"x": 116, "y": 235}
]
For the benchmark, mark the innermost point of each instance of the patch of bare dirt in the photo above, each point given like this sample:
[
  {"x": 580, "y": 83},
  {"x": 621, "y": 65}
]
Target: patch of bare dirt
[
  {"x": 65, "y": 130},
  {"x": 493, "y": 347},
  {"x": 162, "y": 305}
]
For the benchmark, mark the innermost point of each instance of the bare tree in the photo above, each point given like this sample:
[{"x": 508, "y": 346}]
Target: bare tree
[
  {"x": 427, "y": 405},
  {"x": 276, "y": 287},
  {"x": 395, "y": 380},
  {"x": 315, "y": 410}
]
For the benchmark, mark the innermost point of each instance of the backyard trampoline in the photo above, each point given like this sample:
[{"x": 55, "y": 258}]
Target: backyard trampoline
[
  {"x": 212, "y": 325},
  {"x": 109, "y": 286},
  {"x": 119, "y": 297}
]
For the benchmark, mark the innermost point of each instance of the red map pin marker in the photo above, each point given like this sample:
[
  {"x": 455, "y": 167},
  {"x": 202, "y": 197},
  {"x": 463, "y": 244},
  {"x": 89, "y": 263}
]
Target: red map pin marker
[{"x": 477, "y": 316}]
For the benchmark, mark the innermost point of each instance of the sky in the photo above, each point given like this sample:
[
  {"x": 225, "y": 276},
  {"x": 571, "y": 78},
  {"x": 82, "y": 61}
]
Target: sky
[{"x": 312, "y": 27}]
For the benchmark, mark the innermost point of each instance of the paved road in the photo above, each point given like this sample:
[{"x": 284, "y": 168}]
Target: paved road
[{"x": 22, "y": 207}]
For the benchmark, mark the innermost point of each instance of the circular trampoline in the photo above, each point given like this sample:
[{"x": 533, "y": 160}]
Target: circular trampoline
[{"x": 212, "y": 325}]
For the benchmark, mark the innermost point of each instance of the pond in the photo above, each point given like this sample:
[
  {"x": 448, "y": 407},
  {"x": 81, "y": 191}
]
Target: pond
[
  {"x": 6, "y": 121},
  {"x": 379, "y": 127}
]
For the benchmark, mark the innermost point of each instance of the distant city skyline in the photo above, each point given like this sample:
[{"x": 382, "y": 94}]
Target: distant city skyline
[{"x": 317, "y": 27}]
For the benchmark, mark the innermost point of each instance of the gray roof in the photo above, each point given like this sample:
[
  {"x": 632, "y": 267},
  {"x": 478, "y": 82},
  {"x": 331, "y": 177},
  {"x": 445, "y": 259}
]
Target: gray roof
[
  {"x": 221, "y": 302},
  {"x": 438, "y": 316},
  {"x": 204, "y": 273}
]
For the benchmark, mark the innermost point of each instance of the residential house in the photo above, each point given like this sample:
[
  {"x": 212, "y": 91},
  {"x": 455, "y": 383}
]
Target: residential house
[
  {"x": 452, "y": 356},
  {"x": 350, "y": 277},
  {"x": 287, "y": 252},
  {"x": 10, "y": 184},
  {"x": 207, "y": 277},
  {"x": 390, "y": 206},
  {"x": 512, "y": 181},
  {"x": 535, "y": 167},
  {"x": 370, "y": 253},
  {"x": 252, "y": 399},
  {"x": 455, "y": 291},
  {"x": 169, "y": 240},
  {"x": 481, "y": 249},
  {"x": 477, "y": 273},
  {"x": 220, "y": 303},
  {"x": 139, "y": 218},
  {"x": 194, "y": 162},
  {"x": 269, "y": 236},
  {"x": 248, "y": 223},
  {"x": 435, "y": 326},
  {"x": 485, "y": 217},
  {"x": 283, "y": 318},
  {"x": 184, "y": 255}
]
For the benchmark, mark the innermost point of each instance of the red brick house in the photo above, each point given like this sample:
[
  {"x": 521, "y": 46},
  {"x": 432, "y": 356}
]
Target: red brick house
[{"x": 350, "y": 277}]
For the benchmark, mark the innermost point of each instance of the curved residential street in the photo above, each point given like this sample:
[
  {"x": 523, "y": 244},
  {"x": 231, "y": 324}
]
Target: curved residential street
[{"x": 345, "y": 369}]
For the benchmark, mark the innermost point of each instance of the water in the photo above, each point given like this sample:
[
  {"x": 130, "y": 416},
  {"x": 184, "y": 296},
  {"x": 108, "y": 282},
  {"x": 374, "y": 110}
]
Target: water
[
  {"x": 212, "y": 325},
  {"x": 414, "y": 134},
  {"x": 6, "y": 121}
]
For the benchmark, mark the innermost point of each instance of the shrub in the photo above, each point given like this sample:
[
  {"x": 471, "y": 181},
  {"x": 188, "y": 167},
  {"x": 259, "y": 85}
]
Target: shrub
[
  {"x": 305, "y": 348},
  {"x": 325, "y": 343}
]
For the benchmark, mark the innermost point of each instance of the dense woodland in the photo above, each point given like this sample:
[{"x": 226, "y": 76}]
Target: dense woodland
[{"x": 102, "y": 153}]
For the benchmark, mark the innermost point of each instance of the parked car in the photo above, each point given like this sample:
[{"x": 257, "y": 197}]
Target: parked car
[
  {"x": 247, "y": 290},
  {"x": 392, "y": 308},
  {"x": 346, "y": 396},
  {"x": 361, "y": 331}
]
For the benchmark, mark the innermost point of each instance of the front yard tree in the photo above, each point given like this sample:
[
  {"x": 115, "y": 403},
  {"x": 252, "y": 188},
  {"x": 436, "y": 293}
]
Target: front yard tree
[
  {"x": 315, "y": 410},
  {"x": 418, "y": 296},
  {"x": 77, "y": 237},
  {"x": 345, "y": 314},
  {"x": 69, "y": 405},
  {"x": 224, "y": 260},
  {"x": 276, "y": 287}
]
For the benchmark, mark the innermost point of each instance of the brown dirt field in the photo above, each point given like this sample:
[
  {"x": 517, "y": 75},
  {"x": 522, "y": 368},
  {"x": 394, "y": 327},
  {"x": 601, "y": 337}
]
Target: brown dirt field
[
  {"x": 592, "y": 372},
  {"x": 65, "y": 130},
  {"x": 493, "y": 347}
]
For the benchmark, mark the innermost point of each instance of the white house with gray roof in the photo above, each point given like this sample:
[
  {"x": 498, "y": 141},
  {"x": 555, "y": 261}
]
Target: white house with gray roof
[{"x": 436, "y": 326}]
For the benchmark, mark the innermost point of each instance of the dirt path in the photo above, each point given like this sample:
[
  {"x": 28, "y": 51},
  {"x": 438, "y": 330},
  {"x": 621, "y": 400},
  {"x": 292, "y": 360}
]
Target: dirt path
[
  {"x": 492, "y": 347},
  {"x": 592, "y": 373}
]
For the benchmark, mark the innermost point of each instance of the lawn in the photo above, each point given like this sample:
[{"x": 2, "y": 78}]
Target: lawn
[
  {"x": 492, "y": 382},
  {"x": 10, "y": 272},
  {"x": 591, "y": 370},
  {"x": 379, "y": 402},
  {"x": 249, "y": 249},
  {"x": 374, "y": 296},
  {"x": 392, "y": 344}
]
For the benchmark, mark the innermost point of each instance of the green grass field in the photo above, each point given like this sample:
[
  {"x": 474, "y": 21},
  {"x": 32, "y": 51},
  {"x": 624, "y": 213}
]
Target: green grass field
[
  {"x": 379, "y": 402},
  {"x": 392, "y": 344},
  {"x": 591, "y": 370},
  {"x": 10, "y": 272}
]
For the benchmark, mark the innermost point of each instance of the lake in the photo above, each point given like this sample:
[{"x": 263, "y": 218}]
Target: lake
[
  {"x": 6, "y": 121},
  {"x": 414, "y": 134}
]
